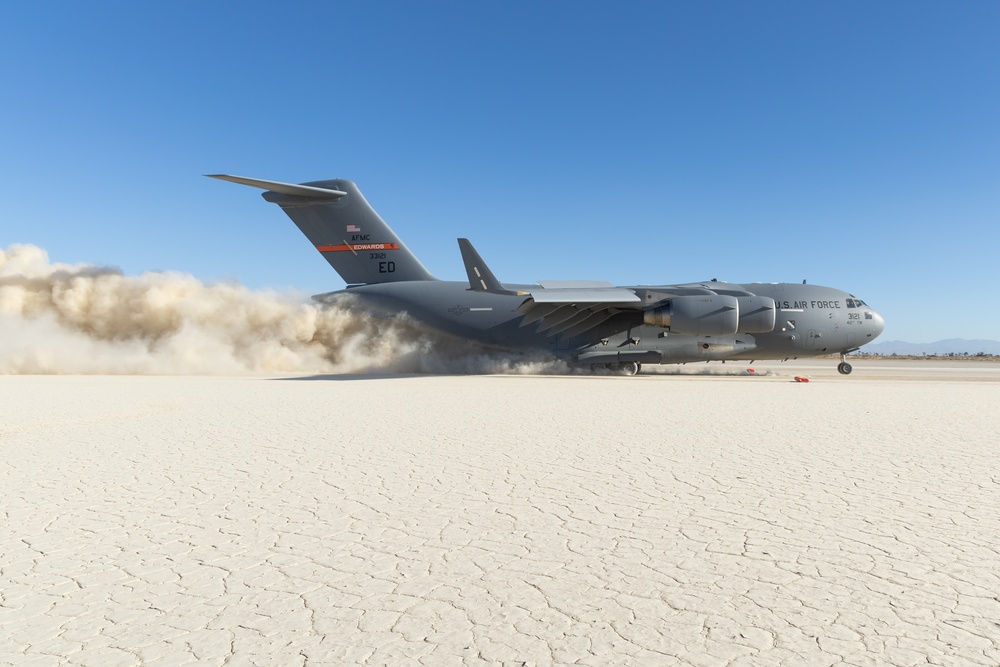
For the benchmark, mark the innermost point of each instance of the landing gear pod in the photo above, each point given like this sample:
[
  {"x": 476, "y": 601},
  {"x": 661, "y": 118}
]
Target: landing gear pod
[{"x": 625, "y": 363}]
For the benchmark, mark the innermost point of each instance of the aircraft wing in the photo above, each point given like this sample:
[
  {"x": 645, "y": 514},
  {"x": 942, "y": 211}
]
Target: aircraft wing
[
  {"x": 582, "y": 291},
  {"x": 572, "y": 307}
]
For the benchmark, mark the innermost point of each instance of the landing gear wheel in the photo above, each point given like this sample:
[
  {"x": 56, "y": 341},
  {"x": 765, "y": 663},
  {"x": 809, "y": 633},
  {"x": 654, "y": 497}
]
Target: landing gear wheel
[
  {"x": 630, "y": 368},
  {"x": 844, "y": 368}
]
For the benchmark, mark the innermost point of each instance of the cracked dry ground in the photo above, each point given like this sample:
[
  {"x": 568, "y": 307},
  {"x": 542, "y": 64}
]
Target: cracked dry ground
[{"x": 498, "y": 520}]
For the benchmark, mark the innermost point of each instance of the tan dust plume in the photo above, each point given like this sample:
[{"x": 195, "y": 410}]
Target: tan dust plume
[{"x": 57, "y": 318}]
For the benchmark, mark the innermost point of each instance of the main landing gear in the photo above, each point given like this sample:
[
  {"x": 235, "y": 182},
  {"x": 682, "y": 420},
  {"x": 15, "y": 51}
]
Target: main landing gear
[
  {"x": 626, "y": 368},
  {"x": 843, "y": 367},
  {"x": 631, "y": 367}
]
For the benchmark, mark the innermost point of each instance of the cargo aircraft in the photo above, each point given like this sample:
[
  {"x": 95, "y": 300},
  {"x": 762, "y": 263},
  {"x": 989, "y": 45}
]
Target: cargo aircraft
[{"x": 587, "y": 322}]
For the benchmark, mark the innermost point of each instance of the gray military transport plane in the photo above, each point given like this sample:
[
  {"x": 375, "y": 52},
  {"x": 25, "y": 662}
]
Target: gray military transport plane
[{"x": 588, "y": 322}]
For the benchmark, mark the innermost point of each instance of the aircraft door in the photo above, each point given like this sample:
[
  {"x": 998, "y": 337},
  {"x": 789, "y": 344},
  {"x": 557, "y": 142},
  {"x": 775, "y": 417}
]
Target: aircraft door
[{"x": 812, "y": 338}]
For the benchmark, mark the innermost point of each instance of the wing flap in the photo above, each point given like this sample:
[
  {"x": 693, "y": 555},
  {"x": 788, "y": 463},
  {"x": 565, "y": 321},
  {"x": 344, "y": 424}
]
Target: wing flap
[
  {"x": 569, "y": 308},
  {"x": 534, "y": 312},
  {"x": 592, "y": 320},
  {"x": 557, "y": 317},
  {"x": 575, "y": 319}
]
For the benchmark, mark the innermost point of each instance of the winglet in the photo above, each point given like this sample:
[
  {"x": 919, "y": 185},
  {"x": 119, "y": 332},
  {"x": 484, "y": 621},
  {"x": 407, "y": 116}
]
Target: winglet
[
  {"x": 283, "y": 188},
  {"x": 481, "y": 279}
]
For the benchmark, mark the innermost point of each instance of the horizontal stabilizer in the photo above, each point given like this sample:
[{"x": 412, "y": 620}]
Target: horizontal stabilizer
[{"x": 283, "y": 188}]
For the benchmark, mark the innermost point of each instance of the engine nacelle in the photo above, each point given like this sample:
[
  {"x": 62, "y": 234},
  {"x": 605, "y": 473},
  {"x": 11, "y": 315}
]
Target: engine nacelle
[
  {"x": 714, "y": 314},
  {"x": 701, "y": 315},
  {"x": 757, "y": 314}
]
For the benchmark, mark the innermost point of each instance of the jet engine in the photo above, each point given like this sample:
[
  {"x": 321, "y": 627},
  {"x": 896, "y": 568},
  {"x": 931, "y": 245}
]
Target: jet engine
[
  {"x": 757, "y": 314},
  {"x": 713, "y": 314}
]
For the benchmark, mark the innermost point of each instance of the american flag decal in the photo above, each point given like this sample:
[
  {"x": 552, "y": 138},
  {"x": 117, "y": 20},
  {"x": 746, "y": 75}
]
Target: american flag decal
[{"x": 353, "y": 228}]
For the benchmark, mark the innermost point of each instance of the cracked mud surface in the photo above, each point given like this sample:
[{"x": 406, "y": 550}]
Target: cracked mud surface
[{"x": 492, "y": 520}]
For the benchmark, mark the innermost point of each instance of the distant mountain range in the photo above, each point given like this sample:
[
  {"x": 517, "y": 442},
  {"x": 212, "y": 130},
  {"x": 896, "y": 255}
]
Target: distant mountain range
[{"x": 941, "y": 347}]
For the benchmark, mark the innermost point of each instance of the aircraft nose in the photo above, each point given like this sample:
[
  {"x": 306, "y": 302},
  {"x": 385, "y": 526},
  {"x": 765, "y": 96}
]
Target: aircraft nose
[{"x": 878, "y": 324}]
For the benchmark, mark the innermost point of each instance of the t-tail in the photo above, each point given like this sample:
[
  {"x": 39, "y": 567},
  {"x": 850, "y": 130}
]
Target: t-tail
[{"x": 344, "y": 228}]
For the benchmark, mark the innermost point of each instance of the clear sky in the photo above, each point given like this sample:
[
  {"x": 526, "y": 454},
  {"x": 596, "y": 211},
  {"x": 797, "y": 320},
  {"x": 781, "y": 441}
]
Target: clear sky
[{"x": 853, "y": 144}]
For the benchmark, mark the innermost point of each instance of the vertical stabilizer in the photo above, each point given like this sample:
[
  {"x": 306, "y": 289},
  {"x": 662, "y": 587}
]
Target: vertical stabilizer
[{"x": 344, "y": 228}]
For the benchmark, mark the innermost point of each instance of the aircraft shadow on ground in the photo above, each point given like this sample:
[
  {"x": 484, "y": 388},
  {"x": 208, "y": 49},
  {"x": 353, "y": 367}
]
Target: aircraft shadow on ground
[{"x": 353, "y": 377}]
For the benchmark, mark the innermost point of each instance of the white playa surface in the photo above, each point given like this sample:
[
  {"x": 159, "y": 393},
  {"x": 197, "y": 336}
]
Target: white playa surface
[{"x": 656, "y": 520}]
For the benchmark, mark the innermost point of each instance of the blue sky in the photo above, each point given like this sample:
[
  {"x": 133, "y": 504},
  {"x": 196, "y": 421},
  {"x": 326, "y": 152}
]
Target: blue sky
[{"x": 852, "y": 144}]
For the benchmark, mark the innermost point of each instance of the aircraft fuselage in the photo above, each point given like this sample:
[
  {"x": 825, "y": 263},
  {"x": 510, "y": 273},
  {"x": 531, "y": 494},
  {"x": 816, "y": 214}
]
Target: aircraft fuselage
[
  {"x": 811, "y": 320},
  {"x": 585, "y": 321}
]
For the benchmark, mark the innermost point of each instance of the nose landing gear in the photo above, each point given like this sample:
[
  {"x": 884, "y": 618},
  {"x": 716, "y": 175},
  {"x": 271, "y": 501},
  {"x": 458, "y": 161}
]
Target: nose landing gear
[{"x": 843, "y": 367}]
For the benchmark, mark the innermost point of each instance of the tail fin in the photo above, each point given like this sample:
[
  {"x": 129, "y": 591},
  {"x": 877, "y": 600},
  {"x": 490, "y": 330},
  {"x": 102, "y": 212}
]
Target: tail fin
[{"x": 344, "y": 228}]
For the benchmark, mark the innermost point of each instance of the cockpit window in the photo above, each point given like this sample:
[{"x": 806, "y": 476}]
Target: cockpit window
[
  {"x": 855, "y": 303},
  {"x": 850, "y": 303}
]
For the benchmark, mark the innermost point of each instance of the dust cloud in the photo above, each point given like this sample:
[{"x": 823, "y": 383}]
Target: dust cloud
[
  {"x": 84, "y": 319},
  {"x": 737, "y": 368}
]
